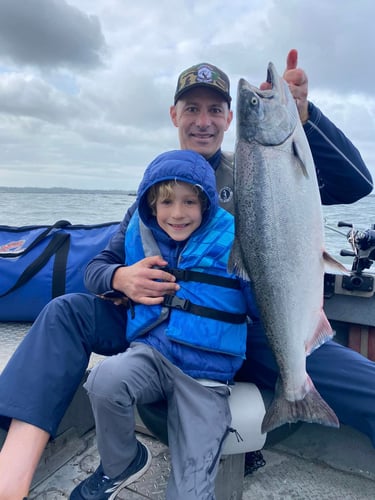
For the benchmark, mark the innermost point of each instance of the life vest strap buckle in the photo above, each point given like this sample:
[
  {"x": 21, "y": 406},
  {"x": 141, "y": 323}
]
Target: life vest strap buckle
[{"x": 177, "y": 302}]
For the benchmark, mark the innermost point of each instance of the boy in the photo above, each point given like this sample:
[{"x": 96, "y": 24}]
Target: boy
[{"x": 186, "y": 349}]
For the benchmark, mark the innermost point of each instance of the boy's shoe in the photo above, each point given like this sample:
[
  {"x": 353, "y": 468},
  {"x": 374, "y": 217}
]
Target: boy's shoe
[{"x": 100, "y": 487}]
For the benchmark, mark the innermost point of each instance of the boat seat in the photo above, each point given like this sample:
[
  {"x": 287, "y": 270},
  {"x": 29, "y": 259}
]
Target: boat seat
[
  {"x": 248, "y": 405},
  {"x": 247, "y": 408}
]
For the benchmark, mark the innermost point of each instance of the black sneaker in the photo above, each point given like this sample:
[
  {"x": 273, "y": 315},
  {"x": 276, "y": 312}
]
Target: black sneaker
[
  {"x": 100, "y": 487},
  {"x": 253, "y": 461}
]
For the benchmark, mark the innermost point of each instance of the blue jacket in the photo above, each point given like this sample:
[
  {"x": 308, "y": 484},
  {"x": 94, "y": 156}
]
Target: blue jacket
[
  {"x": 342, "y": 174},
  {"x": 202, "y": 347}
]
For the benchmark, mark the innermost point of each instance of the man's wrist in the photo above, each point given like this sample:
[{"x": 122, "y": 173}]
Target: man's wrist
[
  {"x": 113, "y": 279},
  {"x": 304, "y": 116}
]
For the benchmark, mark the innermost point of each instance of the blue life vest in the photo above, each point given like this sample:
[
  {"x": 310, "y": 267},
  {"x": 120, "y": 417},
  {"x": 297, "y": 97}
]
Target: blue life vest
[{"x": 206, "y": 251}]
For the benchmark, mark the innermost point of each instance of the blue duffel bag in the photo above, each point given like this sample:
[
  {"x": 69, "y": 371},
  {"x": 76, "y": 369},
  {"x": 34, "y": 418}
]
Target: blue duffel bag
[{"x": 38, "y": 263}]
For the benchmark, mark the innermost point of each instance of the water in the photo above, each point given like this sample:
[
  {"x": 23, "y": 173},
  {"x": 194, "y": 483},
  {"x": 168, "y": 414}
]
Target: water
[
  {"x": 23, "y": 209},
  {"x": 18, "y": 209}
]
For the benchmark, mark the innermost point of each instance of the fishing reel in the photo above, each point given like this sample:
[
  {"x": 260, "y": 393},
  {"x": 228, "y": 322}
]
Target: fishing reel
[
  {"x": 363, "y": 247},
  {"x": 363, "y": 253}
]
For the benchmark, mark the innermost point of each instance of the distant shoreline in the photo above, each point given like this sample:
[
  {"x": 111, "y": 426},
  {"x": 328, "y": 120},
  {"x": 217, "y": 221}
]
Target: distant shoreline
[{"x": 60, "y": 190}]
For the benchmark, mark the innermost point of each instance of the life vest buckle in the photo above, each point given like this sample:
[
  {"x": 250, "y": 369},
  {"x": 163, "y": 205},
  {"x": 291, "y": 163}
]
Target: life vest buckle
[{"x": 177, "y": 302}]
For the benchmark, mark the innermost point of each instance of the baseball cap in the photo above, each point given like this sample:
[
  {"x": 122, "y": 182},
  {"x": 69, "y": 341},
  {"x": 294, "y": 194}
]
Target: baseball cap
[{"x": 203, "y": 75}]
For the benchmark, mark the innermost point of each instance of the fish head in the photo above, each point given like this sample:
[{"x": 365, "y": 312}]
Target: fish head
[{"x": 266, "y": 116}]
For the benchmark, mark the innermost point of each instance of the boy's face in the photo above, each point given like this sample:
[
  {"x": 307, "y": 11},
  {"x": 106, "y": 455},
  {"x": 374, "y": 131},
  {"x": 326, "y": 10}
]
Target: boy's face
[{"x": 181, "y": 213}]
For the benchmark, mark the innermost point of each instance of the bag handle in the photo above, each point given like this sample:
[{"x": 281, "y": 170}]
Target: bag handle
[
  {"x": 57, "y": 225},
  {"x": 59, "y": 268},
  {"x": 58, "y": 245}
]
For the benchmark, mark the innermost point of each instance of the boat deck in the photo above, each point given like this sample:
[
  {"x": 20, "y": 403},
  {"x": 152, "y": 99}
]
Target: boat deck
[
  {"x": 310, "y": 465},
  {"x": 314, "y": 462}
]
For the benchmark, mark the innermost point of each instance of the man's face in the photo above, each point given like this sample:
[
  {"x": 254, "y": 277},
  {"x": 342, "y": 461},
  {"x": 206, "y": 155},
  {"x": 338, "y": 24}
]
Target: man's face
[{"x": 201, "y": 116}]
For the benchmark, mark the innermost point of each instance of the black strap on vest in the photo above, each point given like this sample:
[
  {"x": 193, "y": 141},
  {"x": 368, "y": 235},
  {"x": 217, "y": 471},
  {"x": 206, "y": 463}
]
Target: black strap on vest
[
  {"x": 210, "y": 279},
  {"x": 186, "y": 305}
]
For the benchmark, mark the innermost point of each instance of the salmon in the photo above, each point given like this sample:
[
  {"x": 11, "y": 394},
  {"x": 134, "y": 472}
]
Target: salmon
[{"x": 279, "y": 243}]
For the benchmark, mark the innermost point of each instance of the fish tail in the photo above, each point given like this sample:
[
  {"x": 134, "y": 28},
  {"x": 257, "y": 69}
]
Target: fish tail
[{"x": 312, "y": 409}]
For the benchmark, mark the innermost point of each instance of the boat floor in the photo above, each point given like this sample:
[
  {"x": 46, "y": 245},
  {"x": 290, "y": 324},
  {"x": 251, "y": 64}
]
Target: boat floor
[
  {"x": 314, "y": 462},
  {"x": 308, "y": 465}
]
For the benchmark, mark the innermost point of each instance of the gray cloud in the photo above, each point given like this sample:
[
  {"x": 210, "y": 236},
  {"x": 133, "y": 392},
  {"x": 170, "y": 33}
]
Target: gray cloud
[
  {"x": 335, "y": 40},
  {"x": 110, "y": 121},
  {"x": 33, "y": 97},
  {"x": 49, "y": 33}
]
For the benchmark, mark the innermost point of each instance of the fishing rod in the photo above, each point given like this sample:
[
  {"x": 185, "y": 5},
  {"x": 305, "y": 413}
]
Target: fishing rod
[{"x": 331, "y": 228}]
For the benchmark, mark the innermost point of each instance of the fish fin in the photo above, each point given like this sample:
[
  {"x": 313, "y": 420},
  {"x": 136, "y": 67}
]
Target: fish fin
[
  {"x": 235, "y": 262},
  {"x": 298, "y": 152},
  {"x": 312, "y": 409},
  {"x": 323, "y": 332},
  {"x": 332, "y": 265}
]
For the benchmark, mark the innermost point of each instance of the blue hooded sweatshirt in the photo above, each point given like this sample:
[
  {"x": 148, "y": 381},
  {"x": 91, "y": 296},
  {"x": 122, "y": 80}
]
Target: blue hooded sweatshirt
[{"x": 203, "y": 347}]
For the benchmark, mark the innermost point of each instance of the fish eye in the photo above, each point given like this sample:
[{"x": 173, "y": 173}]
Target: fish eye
[{"x": 254, "y": 100}]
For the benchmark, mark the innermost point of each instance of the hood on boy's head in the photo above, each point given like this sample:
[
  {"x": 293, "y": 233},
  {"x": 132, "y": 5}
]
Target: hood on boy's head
[{"x": 180, "y": 165}]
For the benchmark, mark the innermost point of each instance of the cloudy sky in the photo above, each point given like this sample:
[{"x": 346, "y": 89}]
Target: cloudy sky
[{"x": 86, "y": 85}]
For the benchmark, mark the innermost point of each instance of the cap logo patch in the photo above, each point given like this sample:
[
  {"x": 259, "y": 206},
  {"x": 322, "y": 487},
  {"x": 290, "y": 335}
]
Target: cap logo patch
[{"x": 204, "y": 74}]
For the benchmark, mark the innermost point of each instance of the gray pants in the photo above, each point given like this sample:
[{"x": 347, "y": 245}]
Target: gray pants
[{"x": 198, "y": 418}]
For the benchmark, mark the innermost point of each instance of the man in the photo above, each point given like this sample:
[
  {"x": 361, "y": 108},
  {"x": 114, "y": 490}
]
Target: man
[{"x": 41, "y": 378}]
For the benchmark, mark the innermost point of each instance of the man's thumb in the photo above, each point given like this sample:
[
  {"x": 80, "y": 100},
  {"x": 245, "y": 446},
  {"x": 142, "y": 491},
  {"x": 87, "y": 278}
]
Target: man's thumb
[{"x": 292, "y": 59}]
